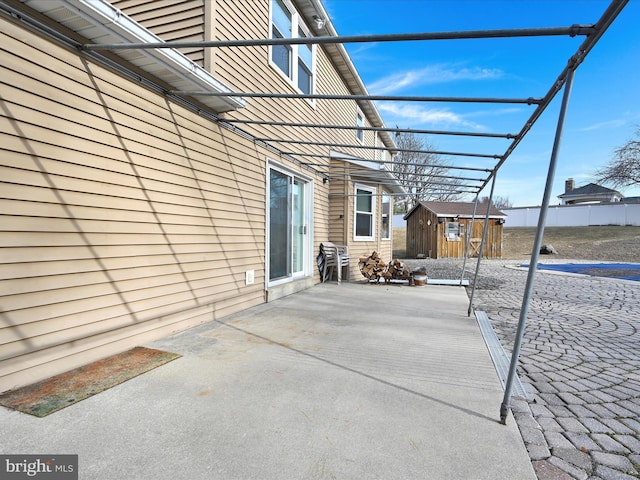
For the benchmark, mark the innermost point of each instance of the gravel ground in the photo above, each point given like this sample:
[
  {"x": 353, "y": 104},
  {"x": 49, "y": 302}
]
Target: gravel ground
[{"x": 447, "y": 268}]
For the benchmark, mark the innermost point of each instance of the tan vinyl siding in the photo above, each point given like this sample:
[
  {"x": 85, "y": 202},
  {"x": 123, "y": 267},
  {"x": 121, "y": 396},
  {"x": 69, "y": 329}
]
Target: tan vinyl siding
[
  {"x": 171, "y": 20},
  {"x": 339, "y": 214},
  {"x": 359, "y": 248},
  {"x": 123, "y": 218},
  {"x": 248, "y": 69},
  {"x": 232, "y": 67}
]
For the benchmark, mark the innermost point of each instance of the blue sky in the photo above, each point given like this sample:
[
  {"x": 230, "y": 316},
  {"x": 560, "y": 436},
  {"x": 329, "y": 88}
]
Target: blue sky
[{"x": 604, "y": 109}]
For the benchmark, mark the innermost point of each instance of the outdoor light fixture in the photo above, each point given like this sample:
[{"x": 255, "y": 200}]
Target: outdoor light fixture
[{"x": 320, "y": 22}]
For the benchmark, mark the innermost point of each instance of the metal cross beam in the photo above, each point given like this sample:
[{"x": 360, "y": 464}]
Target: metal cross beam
[{"x": 571, "y": 31}]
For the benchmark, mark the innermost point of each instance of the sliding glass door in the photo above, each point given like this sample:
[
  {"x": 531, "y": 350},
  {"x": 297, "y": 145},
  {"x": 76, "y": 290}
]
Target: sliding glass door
[{"x": 288, "y": 236}]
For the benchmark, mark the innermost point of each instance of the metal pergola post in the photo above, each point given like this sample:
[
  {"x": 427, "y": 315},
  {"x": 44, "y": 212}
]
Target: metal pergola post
[
  {"x": 515, "y": 354},
  {"x": 469, "y": 233},
  {"x": 484, "y": 235}
]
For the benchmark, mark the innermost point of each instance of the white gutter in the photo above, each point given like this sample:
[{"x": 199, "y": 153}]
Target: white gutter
[{"x": 101, "y": 22}]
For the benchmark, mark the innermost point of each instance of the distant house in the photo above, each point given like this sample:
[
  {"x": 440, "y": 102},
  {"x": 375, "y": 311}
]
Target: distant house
[
  {"x": 441, "y": 230},
  {"x": 591, "y": 193}
]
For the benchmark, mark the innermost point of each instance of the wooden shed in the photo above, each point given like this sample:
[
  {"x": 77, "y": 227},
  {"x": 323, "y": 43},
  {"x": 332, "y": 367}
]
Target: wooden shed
[{"x": 441, "y": 229}]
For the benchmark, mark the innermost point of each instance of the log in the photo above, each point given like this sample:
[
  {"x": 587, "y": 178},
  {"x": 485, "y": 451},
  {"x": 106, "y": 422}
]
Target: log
[
  {"x": 372, "y": 267},
  {"x": 397, "y": 271}
]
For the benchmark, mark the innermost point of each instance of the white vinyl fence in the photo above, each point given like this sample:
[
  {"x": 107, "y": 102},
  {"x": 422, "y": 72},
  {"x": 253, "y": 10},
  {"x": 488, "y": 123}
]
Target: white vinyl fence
[{"x": 576, "y": 215}]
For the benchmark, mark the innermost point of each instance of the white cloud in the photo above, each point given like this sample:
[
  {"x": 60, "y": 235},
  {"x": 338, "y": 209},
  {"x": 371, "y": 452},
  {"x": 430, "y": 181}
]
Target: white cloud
[
  {"x": 424, "y": 116},
  {"x": 431, "y": 75},
  {"x": 601, "y": 125},
  {"x": 496, "y": 113}
]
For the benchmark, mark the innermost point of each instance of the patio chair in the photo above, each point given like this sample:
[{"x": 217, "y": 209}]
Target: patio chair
[{"x": 334, "y": 259}]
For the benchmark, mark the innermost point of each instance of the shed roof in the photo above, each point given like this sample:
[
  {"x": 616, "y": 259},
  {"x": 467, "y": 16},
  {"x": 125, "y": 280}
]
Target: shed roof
[{"x": 456, "y": 209}]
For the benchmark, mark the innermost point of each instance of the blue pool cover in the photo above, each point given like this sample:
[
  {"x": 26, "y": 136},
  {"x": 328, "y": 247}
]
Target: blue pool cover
[{"x": 626, "y": 271}]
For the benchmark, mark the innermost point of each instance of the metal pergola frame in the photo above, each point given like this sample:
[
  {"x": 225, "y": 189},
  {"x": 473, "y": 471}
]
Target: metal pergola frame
[
  {"x": 564, "y": 80},
  {"x": 462, "y": 184}
]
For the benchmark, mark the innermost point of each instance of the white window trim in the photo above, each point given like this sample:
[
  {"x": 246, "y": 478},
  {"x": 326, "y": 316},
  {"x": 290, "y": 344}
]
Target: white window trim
[
  {"x": 296, "y": 20},
  {"x": 373, "y": 191}
]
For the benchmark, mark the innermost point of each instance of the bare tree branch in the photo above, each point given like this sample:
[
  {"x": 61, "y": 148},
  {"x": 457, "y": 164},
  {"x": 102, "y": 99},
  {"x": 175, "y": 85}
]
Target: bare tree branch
[
  {"x": 498, "y": 202},
  {"x": 623, "y": 169},
  {"x": 423, "y": 175}
]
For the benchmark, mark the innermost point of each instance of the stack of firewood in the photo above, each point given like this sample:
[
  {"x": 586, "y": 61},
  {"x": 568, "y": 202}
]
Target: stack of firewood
[
  {"x": 375, "y": 268},
  {"x": 372, "y": 267},
  {"x": 397, "y": 270}
]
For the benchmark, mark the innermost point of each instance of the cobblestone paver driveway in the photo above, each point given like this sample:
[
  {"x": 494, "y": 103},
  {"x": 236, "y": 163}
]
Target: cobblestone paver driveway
[{"x": 581, "y": 361}]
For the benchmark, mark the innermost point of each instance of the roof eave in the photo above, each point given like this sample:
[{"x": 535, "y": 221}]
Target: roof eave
[{"x": 99, "y": 21}]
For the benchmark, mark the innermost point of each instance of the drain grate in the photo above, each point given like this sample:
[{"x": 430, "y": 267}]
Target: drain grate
[{"x": 501, "y": 359}]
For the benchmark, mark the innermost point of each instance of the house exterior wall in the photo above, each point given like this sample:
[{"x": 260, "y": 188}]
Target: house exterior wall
[
  {"x": 339, "y": 214},
  {"x": 342, "y": 220},
  {"x": 364, "y": 248},
  {"x": 126, "y": 217},
  {"x": 173, "y": 21},
  {"x": 231, "y": 66}
]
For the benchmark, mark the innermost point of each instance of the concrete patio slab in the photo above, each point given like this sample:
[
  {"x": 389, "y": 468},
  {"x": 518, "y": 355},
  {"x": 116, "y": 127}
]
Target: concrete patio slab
[{"x": 347, "y": 381}]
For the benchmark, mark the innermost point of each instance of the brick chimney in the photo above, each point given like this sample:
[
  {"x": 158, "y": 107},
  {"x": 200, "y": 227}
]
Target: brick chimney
[{"x": 569, "y": 184}]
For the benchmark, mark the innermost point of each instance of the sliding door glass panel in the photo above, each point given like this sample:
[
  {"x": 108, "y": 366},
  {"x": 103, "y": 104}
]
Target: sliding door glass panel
[
  {"x": 279, "y": 225},
  {"x": 298, "y": 226}
]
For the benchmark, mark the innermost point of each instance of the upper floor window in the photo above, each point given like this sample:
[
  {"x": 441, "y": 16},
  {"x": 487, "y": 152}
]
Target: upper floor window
[
  {"x": 305, "y": 67},
  {"x": 295, "y": 62},
  {"x": 360, "y": 123}
]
